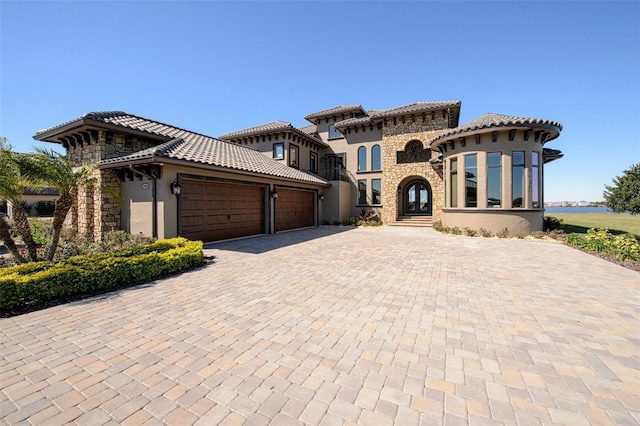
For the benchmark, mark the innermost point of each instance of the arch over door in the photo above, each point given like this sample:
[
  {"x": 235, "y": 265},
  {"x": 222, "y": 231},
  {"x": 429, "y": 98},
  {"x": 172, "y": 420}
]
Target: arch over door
[
  {"x": 295, "y": 208},
  {"x": 417, "y": 199}
]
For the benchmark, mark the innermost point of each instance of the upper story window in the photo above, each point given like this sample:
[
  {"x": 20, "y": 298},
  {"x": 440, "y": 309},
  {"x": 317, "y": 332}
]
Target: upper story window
[
  {"x": 517, "y": 179},
  {"x": 375, "y": 158},
  {"x": 494, "y": 179},
  {"x": 362, "y": 159},
  {"x": 471, "y": 180},
  {"x": 293, "y": 156},
  {"x": 278, "y": 151},
  {"x": 313, "y": 162},
  {"x": 334, "y": 133}
]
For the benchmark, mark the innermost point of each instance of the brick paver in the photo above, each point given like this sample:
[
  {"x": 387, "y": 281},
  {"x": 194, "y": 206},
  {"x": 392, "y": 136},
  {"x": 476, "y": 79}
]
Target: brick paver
[{"x": 341, "y": 326}]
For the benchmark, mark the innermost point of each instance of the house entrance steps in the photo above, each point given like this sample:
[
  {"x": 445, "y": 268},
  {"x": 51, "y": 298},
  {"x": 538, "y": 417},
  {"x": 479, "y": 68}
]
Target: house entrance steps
[{"x": 414, "y": 221}]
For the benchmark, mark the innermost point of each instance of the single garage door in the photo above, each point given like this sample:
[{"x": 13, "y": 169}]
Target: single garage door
[
  {"x": 213, "y": 211},
  {"x": 294, "y": 209}
]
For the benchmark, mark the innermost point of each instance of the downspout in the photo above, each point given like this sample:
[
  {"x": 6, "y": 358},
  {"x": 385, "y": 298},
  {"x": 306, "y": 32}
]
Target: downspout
[{"x": 154, "y": 200}]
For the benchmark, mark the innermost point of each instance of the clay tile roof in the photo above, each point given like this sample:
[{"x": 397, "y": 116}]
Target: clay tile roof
[
  {"x": 210, "y": 151},
  {"x": 342, "y": 109},
  {"x": 273, "y": 127},
  {"x": 187, "y": 146},
  {"x": 415, "y": 108},
  {"x": 492, "y": 120}
]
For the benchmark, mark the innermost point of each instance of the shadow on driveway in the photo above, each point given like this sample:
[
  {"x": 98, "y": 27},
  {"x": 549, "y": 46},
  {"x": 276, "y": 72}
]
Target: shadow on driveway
[{"x": 264, "y": 243}]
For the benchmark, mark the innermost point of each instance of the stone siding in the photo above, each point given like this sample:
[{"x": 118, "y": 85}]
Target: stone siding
[
  {"x": 396, "y": 134},
  {"x": 97, "y": 211}
]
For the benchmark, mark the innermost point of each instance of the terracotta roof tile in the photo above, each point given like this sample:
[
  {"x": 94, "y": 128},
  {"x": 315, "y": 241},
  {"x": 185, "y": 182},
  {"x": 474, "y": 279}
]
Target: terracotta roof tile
[
  {"x": 342, "y": 109},
  {"x": 415, "y": 108},
  {"x": 214, "y": 152},
  {"x": 191, "y": 147},
  {"x": 274, "y": 126},
  {"x": 492, "y": 120}
]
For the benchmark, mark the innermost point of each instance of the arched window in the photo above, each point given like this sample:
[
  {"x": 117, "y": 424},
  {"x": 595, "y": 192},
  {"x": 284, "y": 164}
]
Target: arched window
[
  {"x": 375, "y": 157},
  {"x": 362, "y": 158}
]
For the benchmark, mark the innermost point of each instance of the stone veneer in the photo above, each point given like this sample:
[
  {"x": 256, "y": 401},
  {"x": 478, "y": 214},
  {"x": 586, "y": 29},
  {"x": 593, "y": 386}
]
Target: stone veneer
[
  {"x": 396, "y": 134},
  {"x": 97, "y": 211}
]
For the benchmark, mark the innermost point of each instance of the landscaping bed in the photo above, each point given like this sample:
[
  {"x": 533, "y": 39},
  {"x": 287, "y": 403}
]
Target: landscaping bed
[{"x": 35, "y": 285}]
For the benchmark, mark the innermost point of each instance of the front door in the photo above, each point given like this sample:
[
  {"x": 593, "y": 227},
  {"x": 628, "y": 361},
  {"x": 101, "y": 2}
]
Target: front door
[{"x": 417, "y": 199}]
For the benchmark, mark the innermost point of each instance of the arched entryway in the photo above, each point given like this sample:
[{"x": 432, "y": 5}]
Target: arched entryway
[{"x": 416, "y": 198}]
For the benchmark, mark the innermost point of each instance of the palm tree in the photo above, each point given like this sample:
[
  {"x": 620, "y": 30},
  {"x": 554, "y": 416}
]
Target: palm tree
[
  {"x": 52, "y": 169},
  {"x": 12, "y": 184}
]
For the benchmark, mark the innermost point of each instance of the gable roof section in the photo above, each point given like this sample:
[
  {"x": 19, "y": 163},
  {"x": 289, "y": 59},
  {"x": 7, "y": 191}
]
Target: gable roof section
[
  {"x": 494, "y": 121},
  {"x": 273, "y": 127},
  {"x": 180, "y": 145},
  {"x": 411, "y": 109},
  {"x": 342, "y": 109}
]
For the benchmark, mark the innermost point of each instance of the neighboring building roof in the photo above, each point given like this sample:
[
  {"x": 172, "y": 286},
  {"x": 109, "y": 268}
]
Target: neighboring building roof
[
  {"x": 214, "y": 152},
  {"x": 342, "y": 109},
  {"x": 180, "y": 144},
  {"x": 491, "y": 121},
  {"x": 273, "y": 127},
  {"x": 411, "y": 109}
]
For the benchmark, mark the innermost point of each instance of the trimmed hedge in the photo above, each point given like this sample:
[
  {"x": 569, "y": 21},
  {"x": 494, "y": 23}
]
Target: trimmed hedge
[{"x": 39, "y": 282}]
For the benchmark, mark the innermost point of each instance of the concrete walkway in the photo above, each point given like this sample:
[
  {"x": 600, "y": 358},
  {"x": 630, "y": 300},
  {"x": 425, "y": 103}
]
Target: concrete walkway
[{"x": 336, "y": 325}]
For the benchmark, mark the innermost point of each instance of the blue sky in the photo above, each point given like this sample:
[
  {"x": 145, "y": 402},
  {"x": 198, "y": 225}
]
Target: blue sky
[{"x": 217, "y": 67}]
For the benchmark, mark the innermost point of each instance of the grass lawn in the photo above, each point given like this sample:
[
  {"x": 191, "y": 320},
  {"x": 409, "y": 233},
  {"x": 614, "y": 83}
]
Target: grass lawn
[{"x": 581, "y": 222}]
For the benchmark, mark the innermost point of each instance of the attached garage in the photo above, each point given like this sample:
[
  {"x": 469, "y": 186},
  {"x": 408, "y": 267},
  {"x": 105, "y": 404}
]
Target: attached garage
[
  {"x": 295, "y": 208},
  {"x": 211, "y": 211}
]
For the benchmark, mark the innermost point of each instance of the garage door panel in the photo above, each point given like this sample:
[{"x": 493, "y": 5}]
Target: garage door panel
[
  {"x": 294, "y": 209},
  {"x": 214, "y": 211}
]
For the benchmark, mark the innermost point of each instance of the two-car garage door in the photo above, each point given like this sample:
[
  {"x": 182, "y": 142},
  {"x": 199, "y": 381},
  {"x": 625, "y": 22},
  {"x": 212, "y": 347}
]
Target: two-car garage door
[{"x": 212, "y": 210}]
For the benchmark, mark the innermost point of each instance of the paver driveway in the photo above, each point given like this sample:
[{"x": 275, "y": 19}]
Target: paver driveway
[{"x": 333, "y": 325}]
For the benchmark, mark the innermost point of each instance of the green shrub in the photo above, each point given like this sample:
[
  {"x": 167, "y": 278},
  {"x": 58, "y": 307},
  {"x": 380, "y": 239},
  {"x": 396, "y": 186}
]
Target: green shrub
[
  {"x": 34, "y": 283},
  {"x": 551, "y": 223},
  {"x": 625, "y": 246},
  {"x": 470, "y": 232},
  {"x": 485, "y": 233},
  {"x": 504, "y": 233}
]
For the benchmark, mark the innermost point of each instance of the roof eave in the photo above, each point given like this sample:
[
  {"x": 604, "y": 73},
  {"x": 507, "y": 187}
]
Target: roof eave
[
  {"x": 555, "y": 132},
  {"x": 48, "y": 134}
]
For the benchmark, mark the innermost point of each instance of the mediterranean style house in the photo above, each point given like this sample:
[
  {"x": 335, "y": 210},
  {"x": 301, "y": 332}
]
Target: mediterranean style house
[{"x": 407, "y": 164}]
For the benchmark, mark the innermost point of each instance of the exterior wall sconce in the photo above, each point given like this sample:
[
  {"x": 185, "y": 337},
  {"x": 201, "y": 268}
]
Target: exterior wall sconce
[
  {"x": 321, "y": 196},
  {"x": 176, "y": 188},
  {"x": 274, "y": 194}
]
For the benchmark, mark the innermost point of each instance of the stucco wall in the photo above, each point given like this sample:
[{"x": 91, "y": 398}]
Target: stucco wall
[
  {"x": 495, "y": 220},
  {"x": 515, "y": 219}
]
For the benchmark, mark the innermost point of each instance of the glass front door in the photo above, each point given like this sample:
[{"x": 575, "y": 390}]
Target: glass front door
[{"x": 417, "y": 199}]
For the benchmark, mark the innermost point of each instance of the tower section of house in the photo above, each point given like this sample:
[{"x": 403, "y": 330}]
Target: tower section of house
[{"x": 493, "y": 172}]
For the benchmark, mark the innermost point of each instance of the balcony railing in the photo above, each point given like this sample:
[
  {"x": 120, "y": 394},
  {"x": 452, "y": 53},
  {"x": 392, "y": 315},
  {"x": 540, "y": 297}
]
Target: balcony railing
[{"x": 334, "y": 173}]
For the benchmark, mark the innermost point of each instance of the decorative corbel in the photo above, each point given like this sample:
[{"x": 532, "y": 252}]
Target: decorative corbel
[
  {"x": 512, "y": 134},
  {"x": 478, "y": 137}
]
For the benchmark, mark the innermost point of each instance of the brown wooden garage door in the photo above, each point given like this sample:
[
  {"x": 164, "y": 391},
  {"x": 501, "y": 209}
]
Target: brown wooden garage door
[
  {"x": 213, "y": 211},
  {"x": 294, "y": 209}
]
